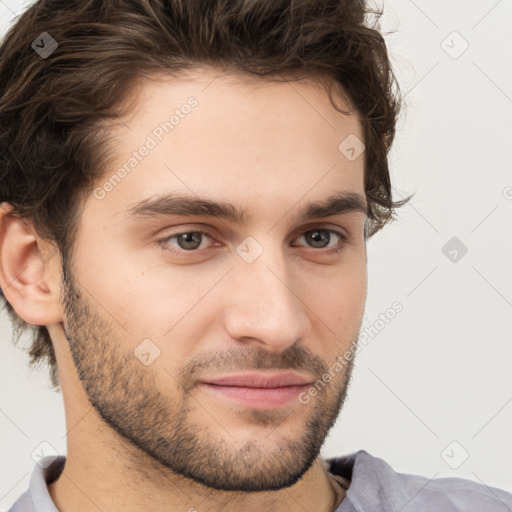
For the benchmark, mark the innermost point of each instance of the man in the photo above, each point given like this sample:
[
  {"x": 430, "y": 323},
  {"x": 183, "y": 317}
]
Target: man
[{"x": 187, "y": 190}]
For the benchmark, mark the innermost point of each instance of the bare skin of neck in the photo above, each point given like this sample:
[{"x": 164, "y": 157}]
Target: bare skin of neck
[{"x": 103, "y": 478}]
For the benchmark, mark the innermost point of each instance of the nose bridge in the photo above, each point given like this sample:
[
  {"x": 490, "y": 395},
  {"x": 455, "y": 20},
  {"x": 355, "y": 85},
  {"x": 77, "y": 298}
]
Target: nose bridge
[{"x": 265, "y": 305}]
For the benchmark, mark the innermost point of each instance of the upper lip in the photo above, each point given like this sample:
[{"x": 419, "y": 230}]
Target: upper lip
[{"x": 259, "y": 380}]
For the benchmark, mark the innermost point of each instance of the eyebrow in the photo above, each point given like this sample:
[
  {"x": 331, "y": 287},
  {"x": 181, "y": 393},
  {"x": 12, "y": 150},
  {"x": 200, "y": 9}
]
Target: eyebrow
[{"x": 186, "y": 205}]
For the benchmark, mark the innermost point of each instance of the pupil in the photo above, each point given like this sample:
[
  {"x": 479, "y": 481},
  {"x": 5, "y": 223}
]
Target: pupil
[
  {"x": 185, "y": 237},
  {"x": 314, "y": 236}
]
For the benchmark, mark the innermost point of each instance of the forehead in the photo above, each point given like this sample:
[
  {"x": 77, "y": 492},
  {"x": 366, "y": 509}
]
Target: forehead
[
  {"x": 226, "y": 93},
  {"x": 227, "y": 136}
]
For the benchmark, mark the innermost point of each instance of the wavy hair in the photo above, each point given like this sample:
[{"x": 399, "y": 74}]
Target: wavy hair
[{"x": 54, "y": 111}]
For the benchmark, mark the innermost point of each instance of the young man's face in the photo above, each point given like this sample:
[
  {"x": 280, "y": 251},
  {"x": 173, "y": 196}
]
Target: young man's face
[{"x": 151, "y": 316}]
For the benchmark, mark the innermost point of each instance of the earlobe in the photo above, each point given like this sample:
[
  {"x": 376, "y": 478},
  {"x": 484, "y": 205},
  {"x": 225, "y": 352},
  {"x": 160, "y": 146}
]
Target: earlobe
[{"x": 29, "y": 275}]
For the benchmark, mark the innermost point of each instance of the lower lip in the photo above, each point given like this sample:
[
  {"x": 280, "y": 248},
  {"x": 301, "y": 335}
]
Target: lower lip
[{"x": 260, "y": 398}]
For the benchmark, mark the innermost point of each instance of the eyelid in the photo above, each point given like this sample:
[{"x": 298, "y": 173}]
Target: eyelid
[
  {"x": 211, "y": 231},
  {"x": 343, "y": 239},
  {"x": 207, "y": 231},
  {"x": 321, "y": 225}
]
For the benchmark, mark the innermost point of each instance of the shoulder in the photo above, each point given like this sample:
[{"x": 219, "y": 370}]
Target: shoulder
[
  {"x": 22, "y": 504},
  {"x": 375, "y": 485},
  {"x": 37, "y": 496}
]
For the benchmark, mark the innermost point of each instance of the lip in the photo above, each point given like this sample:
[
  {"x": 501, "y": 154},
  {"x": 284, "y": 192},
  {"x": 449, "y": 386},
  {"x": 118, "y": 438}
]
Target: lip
[
  {"x": 260, "y": 380},
  {"x": 257, "y": 390}
]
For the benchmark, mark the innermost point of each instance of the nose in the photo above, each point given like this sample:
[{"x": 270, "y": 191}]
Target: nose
[{"x": 264, "y": 306}]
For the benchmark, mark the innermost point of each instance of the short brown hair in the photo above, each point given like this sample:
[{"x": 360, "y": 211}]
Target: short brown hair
[{"x": 52, "y": 147}]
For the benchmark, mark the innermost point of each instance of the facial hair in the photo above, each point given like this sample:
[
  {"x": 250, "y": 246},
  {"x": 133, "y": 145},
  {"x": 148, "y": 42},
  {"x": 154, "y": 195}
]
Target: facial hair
[{"x": 157, "y": 429}]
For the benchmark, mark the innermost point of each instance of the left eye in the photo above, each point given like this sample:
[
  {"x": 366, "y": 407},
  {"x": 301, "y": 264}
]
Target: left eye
[
  {"x": 320, "y": 235},
  {"x": 189, "y": 241}
]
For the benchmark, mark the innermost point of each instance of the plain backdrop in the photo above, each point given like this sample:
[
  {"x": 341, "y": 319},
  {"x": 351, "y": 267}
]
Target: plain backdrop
[{"x": 432, "y": 389}]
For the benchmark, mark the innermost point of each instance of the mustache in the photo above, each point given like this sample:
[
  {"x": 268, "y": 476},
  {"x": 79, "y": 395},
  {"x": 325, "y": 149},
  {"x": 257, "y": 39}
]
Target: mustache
[{"x": 294, "y": 357}]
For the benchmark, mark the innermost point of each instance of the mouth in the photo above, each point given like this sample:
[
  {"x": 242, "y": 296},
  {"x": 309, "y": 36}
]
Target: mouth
[{"x": 258, "y": 390}]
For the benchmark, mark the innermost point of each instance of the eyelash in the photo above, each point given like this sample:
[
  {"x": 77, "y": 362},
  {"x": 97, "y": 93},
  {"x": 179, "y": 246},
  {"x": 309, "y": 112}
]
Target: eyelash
[{"x": 335, "y": 250}]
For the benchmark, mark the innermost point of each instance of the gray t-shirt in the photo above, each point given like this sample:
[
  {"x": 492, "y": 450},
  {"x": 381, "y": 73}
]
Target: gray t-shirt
[{"x": 374, "y": 487}]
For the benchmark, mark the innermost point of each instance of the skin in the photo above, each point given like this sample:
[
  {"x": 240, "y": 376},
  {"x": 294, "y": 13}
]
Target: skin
[{"x": 149, "y": 437}]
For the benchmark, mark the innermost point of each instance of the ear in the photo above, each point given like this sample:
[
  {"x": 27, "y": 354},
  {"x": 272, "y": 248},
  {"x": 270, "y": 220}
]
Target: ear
[{"x": 29, "y": 271}]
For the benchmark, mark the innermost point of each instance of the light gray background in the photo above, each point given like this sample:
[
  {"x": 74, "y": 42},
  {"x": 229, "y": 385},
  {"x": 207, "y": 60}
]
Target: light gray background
[{"x": 434, "y": 383}]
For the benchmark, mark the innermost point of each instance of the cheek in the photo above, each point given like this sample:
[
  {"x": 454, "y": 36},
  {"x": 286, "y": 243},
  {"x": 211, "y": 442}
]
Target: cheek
[
  {"x": 340, "y": 305},
  {"x": 165, "y": 302}
]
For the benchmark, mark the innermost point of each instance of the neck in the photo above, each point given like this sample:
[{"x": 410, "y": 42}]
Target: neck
[{"x": 92, "y": 480}]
